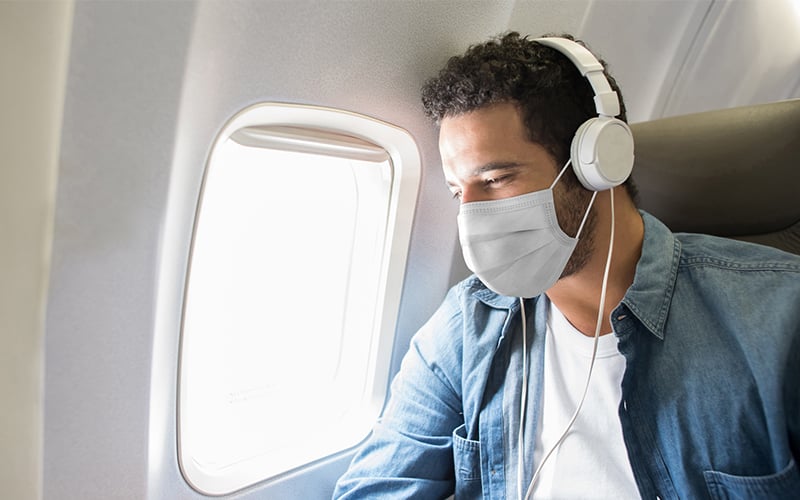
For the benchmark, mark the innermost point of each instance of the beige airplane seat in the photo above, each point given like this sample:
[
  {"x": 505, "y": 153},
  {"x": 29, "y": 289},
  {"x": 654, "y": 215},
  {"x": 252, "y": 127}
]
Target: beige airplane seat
[{"x": 733, "y": 172}]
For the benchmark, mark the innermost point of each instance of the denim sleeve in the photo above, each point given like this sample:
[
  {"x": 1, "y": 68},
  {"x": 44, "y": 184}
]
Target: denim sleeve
[{"x": 409, "y": 453}]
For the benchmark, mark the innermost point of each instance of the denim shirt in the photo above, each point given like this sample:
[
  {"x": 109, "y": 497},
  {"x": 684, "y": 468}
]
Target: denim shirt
[{"x": 710, "y": 331}]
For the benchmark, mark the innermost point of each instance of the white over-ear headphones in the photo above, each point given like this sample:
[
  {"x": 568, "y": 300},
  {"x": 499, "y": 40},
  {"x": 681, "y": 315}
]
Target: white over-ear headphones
[{"x": 602, "y": 149}]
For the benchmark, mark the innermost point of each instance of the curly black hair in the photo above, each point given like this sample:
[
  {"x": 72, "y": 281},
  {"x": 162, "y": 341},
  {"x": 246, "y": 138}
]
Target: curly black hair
[{"x": 552, "y": 95}]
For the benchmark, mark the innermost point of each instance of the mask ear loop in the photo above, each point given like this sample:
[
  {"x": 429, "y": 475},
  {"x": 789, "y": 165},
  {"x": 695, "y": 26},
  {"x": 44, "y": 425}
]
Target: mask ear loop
[
  {"x": 591, "y": 202},
  {"x": 523, "y": 399},
  {"x": 563, "y": 169}
]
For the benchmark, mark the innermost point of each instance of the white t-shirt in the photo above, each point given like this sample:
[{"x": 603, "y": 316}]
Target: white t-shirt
[{"x": 592, "y": 461}]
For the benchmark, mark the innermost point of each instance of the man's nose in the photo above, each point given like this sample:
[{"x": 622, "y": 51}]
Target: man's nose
[{"x": 469, "y": 195}]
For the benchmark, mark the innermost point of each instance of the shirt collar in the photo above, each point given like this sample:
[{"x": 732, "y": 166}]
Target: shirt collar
[
  {"x": 490, "y": 298},
  {"x": 650, "y": 295}
]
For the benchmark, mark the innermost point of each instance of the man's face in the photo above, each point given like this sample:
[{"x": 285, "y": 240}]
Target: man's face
[{"x": 486, "y": 155}]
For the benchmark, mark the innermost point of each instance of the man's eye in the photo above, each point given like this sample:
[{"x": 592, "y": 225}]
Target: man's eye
[
  {"x": 456, "y": 195},
  {"x": 496, "y": 180}
]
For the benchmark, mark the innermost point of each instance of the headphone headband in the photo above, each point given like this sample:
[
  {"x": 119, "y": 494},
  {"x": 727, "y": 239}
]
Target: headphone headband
[{"x": 606, "y": 100}]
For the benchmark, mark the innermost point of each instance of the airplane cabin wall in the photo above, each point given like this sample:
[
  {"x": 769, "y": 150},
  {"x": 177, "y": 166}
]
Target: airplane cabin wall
[
  {"x": 149, "y": 86},
  {"x": 33, "y": 49},
  {"x": 124, "y": 84}
]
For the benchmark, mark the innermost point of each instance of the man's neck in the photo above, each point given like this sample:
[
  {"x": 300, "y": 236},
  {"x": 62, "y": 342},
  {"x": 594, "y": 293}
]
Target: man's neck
[{"x": 578, "y": 296}]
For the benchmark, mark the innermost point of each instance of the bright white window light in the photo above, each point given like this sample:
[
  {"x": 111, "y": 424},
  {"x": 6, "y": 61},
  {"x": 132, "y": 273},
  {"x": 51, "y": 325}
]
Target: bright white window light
[{"x": 292, "y": 296}]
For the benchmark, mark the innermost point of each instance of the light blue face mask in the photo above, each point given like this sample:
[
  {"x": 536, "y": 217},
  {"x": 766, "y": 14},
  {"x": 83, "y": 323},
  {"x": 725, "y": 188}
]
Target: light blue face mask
[{"x": 515, "y": 245}]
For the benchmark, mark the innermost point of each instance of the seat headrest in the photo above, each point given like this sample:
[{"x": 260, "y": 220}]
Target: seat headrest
[{"x": 733, "y": 172}]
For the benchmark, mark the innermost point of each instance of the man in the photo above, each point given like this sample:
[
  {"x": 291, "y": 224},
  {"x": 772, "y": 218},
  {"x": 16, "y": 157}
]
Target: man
[{"x": 640, "y": 363}]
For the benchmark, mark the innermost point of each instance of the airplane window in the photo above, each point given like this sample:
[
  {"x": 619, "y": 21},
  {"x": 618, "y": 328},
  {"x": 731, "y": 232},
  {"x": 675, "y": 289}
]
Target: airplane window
[{"x": 291, "y": 300}]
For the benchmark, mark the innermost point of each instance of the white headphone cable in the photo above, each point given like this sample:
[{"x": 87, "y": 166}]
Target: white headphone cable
[
  {"x": 523, "y": 402},
  {"x": 523, "y": 399}
]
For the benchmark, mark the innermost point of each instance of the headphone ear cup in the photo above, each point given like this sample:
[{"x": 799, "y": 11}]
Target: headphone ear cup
[{"x": 602, "y": 153}]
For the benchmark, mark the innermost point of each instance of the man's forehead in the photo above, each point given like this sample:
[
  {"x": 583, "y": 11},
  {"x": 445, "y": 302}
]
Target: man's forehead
[{"x": 486, "y": 131}]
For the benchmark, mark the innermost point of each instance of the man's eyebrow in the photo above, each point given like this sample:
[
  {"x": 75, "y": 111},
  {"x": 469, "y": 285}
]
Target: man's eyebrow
[
  {"x": 499, "y": 165},
  {"x": 489, "y": 167}
]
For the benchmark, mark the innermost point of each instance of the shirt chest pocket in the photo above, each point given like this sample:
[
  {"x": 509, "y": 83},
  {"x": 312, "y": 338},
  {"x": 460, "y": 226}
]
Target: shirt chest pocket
[
  {"x": 782, "y": 485},
  {"x": 467, "y": 461}
]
